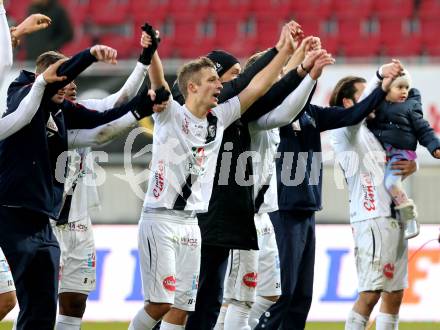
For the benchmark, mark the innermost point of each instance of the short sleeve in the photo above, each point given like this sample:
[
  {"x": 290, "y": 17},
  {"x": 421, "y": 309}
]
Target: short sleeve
[{"x": 229, "y": 111}]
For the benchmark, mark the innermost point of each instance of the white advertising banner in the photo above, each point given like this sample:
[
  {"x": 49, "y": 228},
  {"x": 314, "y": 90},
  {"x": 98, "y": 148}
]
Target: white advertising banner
[{"x": 119, "y": 293}]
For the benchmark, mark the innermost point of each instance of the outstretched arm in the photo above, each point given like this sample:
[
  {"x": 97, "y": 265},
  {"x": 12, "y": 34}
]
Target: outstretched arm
[
  {"x": 27, "y": 108},
  {"x": 261, "y": 83}
]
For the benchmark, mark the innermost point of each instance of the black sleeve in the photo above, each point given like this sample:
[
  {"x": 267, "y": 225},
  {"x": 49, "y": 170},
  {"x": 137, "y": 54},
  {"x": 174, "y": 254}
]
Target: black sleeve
[
  {"x": 76, "y": 116},
  {"x": 234, "y": 87},
  {"x": 424, "y": 132},
  {"x": 274, "y": 96},
  {"x": 71, "y": 69},
  {"x": 336, "y": 117}
]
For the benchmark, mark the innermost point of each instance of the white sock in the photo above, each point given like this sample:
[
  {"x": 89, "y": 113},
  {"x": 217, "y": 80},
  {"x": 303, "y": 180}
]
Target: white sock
[
  {"x": 65, "y": 322},
  {"x": 355, "y": 321},
  {"x": 221, "y": 318},
  {"x": 260, "y": 305},
  {"x": 387, "y": 321},
  {"x": 142, "y": 321},
  {"x": 237, "y": 316},
  {"x": 169, "y": 326}
]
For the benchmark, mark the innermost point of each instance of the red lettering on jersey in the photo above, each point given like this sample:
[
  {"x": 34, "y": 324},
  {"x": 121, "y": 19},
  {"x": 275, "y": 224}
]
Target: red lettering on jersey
[
  {"x": 169, "y": 283},
  {"x": 250, "y": 280},
  {"x": 159, "y": 179}
]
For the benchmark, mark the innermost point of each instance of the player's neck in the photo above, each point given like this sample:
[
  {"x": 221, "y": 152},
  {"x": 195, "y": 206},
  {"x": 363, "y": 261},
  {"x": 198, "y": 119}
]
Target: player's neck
[{"x": 196, "y": 108}]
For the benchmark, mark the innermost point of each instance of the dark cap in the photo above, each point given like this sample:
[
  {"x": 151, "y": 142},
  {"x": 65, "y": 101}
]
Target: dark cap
[{"x": 223, "y": 61}]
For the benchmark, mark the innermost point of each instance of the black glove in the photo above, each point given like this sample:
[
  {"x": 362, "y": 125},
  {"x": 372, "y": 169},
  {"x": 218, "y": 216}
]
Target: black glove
[
  {"x": 147, "y": 53},
  {"x": 144, "y": 105}
]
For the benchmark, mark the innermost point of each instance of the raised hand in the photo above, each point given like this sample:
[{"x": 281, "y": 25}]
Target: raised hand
[
  {"x": 152, "y": 41},
  {"x": 310, "y": 59},
  {"x": 104, "y": 54},
  {"x": 50, "y": 74},
  {"x": 33, "y": 23},
  {"x": 322, "y": 61},
  {"x": 393, "y": 69}
]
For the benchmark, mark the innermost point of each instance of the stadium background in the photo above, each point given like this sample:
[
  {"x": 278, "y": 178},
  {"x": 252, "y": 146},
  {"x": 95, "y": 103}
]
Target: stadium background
[{"x": 361, "y": 34}]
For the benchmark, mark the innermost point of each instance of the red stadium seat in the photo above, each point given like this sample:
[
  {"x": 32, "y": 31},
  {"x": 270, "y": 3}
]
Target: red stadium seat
[
  {"x": 109, "y": 12},
  {"x": 17, "y": 10},
  {"x": 230, "y": 7},
  {"x": 123, "y": 44},
  {"x": 268, "y": 28},
  {"x": 393, "y": 8},
  {"x": 430, "y": 31},
  {"x": 352, "y": 9},
  {"x": 78, "y": 11},
  {"x": 362, "y": 47},
  {"x": 408, "y": 46},
  {"x": 319, "y": 9},
  {"x": 429, "y": 9},
  {"x": 392, "y": 31},
  {"x": 350, "y": 30},
  {"x": 271, "y": 7},
  {"x": 194, "y": 7},
  {"x": 145, "y": 10},
  {"x": 76, "y": 45}
]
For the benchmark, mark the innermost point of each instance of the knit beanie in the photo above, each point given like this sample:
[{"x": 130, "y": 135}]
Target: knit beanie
[
  {"x": 223, "y": 61},
  {"x": 404, "y": 77}
]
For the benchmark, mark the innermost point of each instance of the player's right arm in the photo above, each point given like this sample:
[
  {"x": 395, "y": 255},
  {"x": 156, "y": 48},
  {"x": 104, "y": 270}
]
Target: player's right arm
[
  {"x": 23, "y": 114},
  {"x": 5, "y": 44}
]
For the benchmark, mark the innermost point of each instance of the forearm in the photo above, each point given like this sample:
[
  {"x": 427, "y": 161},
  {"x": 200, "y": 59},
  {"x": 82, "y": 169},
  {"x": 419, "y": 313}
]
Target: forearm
[
  {"x": 5, "y": 44},
  {"x": 289, "y": 109},
  {"x": 126, "y": 93},
  {"x": 156, "y": 74},
  {"x": 274, "y": 97},
  {"x": 100, "y": 135},
  {"x": 235, "y": 86},
  {"x": 71, "y": 69},
  {"x": 261, "y": 83},
  {"x": 25, "y": 111}
]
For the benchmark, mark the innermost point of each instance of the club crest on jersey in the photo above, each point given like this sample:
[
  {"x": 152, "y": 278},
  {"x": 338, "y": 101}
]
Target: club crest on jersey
[
  {"x": 197, "y": 164},
  {"x": 51, "y": 126}
]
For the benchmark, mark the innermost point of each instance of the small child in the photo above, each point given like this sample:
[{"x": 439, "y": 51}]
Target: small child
[{"x": 399, "y": 125}]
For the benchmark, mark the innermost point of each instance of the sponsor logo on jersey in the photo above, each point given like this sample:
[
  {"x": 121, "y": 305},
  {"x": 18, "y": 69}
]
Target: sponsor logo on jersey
[
  {"x": 159, "y": 179},
  {"x": 169, "y": 283},
  {"x": 91, "y": 260},
  {"x": 388, "y": 270},
  {"x": 368, "y": 192},
  {"x": 250, "y": 280},
  {"x": 189, "y": 241}
]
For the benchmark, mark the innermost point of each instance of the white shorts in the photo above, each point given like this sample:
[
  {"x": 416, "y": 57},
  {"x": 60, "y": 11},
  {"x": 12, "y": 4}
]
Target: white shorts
[
  {"x": 381, "y": 254},
  {"x": 169, "y": 253},
  {"x": 6, "y": 280},
  {"x": 255, "y": 272},
  {"x": 78, "y": 256}
]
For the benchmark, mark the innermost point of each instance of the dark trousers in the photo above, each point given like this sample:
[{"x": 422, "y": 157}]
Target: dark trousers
[
  {"x": 214, "y": 261},
  {"x": 295, "y": 235},
  {"x": 33, "y": 255}
]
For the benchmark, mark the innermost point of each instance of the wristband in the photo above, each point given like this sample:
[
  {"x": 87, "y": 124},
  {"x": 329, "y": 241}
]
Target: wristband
[
  {"x": 378, "y": 75},
  {"x": 302, "y": 67}
]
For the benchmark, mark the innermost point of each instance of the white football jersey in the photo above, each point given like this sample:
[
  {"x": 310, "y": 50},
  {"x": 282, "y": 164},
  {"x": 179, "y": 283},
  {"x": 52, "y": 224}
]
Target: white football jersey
[
  {"x": 362, "y": 160},
  {"x": 185, "y": 151},
  {"x": 265, "y": 144}
]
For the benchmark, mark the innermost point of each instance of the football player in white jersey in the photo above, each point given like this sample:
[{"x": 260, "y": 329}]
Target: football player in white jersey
[
  {"x": 380, "y": 250},
  {"x": 78, "y": 258},
  {"x": 254, "y": 276},
  {"x": 186, "y": 143}
]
